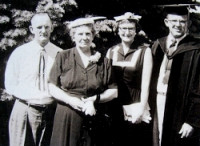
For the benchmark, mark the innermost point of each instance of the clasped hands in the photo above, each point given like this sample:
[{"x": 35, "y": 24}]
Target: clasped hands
[
  {"x": 136, "y": 113},
  {"x": 84, "y": 105}
]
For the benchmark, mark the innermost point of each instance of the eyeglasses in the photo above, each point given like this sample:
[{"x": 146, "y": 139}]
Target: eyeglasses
[
  {"x": 183, "y": 22},
  {"x": 130, "y": 29}
]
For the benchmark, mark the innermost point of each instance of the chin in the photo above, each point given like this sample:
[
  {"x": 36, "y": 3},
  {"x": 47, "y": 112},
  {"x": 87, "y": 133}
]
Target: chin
[
  {"x": 128, "y": 40},
  {"x": 44, "y": 42},
  {"x": 178, "y": 35}
]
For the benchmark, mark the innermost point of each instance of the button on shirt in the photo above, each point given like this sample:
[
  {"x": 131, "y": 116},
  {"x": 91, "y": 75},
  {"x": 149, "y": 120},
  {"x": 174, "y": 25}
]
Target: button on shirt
[{"x": 21, "y": 76}]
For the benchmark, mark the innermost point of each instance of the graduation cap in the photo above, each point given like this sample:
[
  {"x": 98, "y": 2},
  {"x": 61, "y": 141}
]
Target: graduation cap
[
  {"x": 179, "y": 9},
  {"x": 127, "y": 16},
  {"x": 84, "y": 21}
]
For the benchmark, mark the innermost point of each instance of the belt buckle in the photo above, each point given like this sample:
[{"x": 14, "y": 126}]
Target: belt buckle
[
  {"x": 162, "y": 93},
  {"x": 39, "y": 107}
]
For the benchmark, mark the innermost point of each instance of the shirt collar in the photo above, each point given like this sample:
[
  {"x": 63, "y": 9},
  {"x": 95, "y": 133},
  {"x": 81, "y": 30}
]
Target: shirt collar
[
  {"x": 171, "y": 39},
  {"x": 37, "y": 46}
]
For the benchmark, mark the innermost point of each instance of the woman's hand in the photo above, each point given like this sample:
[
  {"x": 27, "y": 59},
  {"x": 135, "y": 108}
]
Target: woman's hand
[
  {"x": 77, "y": 104},
  {"x": 133, "y": 113},
  {"x": 137, "y": 116},
  {"x": 89, "y": 108}
]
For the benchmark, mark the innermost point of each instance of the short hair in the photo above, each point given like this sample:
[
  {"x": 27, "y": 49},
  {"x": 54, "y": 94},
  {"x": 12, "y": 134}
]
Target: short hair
[
  {"x": 73, "y": 30},
  {"x": 39, "y": 14},
  {"x": 137, "y": 26}
]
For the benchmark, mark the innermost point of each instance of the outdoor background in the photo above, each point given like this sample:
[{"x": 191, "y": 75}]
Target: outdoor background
[{"x": 15, "y": 16}]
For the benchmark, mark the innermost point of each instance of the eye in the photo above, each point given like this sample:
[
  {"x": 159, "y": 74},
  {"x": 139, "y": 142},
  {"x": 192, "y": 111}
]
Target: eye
[
  {"x": 46, "y": 27},
  {"x": 39, "y": 27},
  {"x": 183, "y": 21},
  {"x": 131, "y": 29},
  {"x": 88, "y": 34}
]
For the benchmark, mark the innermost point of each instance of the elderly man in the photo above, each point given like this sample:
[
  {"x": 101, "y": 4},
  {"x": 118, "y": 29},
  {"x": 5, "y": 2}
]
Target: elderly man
[
  {"x": 175, "y": 57},
  {"x": 26, "y": 79}
]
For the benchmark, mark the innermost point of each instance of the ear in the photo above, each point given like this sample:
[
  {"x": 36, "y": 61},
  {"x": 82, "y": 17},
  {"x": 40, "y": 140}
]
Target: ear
[
  {"x": 166, "y": 22},
  {"x": 31, "y": 29},
  {"x": 73, "y": 38},
  {"x": 189, "y": 23},
  {"x": 118, "y": 32},
  {"x": 52, "y": 28}
]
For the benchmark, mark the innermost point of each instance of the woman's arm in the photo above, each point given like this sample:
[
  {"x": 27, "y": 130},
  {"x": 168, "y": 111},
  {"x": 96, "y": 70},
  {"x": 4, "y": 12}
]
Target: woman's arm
[
  {"x": 106, "y": 96},
  {"x": 146, "y": 76},
  {"x": 134, "y": 112},
  {"x": 59, "y": 94}
]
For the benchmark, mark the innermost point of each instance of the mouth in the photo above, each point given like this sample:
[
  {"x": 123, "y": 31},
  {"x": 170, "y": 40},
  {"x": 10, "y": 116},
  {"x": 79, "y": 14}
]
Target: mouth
[
  {"x": 85, "y": 42},
  {"x": 44, "y": 35},
  {"x": 177, "y": 29},
  {"x": 128, "y": 36}
]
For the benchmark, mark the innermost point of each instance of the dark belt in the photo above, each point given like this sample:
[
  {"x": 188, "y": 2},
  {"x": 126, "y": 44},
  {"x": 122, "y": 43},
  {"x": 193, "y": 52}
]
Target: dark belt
[{"x": 39, "y": 107}]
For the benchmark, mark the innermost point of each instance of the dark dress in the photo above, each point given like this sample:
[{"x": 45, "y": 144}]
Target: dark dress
[
  {"x": 69, "y": 74},
  {"x": 129, "y": 89},
  {"x": 179, "y": 107}
]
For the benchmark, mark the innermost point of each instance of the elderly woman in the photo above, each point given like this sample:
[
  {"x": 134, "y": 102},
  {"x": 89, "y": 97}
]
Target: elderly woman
[
  {"x": 80, "y": 79},
  {"x": 132, "y": 64}
]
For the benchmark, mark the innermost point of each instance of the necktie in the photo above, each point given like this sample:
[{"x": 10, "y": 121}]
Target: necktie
[
  {"x": 167, "y": 71},
  {"x": 171, "y": 48},
  {"x": 169, "y": 62},
  {"x": 42, "y": 71}
]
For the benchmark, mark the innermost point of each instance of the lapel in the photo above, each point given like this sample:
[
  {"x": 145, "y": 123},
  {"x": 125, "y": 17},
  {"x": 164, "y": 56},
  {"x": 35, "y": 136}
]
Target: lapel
[
  {"x": 186, "y": 44},
  {"x": 130, "y": 51},
  {"x": 77, "y": 58},
  {"x": 79, "y": 62}
]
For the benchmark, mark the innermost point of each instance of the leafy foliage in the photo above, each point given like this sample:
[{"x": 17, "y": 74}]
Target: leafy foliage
[{"x": 17, "y": 21}]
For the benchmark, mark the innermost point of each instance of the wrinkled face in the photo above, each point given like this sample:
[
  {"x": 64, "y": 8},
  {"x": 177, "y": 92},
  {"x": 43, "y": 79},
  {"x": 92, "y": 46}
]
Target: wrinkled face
[
  {"x": 177, "y": 24},
  {"x": 127, "y": 31},
  {"x": 41, "y": 28},
  {"x": 83, "y": 37}
]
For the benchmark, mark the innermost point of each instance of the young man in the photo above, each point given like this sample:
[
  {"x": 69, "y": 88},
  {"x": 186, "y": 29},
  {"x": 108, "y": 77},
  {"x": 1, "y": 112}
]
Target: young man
[
  {"x": 26, "y": 79},
  {"x": 174, "y": 61}
]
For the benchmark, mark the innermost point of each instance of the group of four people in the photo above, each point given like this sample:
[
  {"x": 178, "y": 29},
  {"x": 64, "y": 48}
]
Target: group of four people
[{"x": 132, "y": 78}]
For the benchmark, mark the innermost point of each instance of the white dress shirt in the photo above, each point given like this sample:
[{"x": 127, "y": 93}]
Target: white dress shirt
[{"x": 21, "y": 75}]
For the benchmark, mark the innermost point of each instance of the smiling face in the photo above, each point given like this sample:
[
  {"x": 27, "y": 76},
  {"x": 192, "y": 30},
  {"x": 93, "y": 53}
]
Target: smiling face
[
  {"x": 41, "y": 28},
  {"x": 177, "y": 24},
  {"x": 127, "y": 31},
  {"x": 83, "y": 36}
]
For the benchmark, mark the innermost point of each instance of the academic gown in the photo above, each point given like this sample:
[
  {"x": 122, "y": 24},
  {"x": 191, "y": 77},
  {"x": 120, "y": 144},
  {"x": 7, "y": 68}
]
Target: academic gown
[{"x": 179, "y": 104}]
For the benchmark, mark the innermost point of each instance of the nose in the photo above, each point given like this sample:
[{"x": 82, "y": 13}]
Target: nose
[
  {"x": 84, "y": 36},
  {"x": 178, "y": 23},
  {"x": 127, "y": 30},
  {"x": 43, "y": 29}
]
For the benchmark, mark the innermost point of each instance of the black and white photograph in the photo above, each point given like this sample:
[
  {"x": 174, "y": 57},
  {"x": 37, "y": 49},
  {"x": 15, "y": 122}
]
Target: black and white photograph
[{"x": 100, "y": 73}]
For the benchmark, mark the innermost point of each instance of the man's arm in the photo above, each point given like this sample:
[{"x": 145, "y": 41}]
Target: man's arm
[
  {"x": 193, "y": 117},
  {"x": 11, "y": 74}
]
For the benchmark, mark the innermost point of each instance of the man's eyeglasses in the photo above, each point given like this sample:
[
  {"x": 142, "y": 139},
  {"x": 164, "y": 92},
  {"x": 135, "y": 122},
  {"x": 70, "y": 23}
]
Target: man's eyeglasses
[
  {"x": 177, "y": 21},
  {"x": 130, "y": 29}
]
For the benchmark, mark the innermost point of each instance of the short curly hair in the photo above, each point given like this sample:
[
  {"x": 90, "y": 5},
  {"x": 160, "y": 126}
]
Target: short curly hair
[{"x": 73, "y": 30}]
